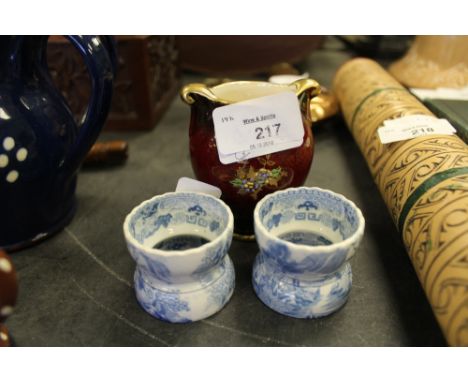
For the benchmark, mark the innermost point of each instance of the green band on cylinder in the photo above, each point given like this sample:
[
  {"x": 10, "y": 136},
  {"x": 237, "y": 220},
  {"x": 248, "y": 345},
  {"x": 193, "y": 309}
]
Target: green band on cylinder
[
  {"x": 425, "y": 186},
  {"x": 370, "y": 95}
]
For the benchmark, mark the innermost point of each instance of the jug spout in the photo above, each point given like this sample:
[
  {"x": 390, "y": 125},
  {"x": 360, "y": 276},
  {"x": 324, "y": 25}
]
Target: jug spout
[{"x": 202, "y": 90}]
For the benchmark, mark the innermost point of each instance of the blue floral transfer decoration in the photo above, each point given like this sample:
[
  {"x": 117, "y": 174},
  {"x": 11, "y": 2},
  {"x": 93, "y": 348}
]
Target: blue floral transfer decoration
[
  {"x": 266, "y": 210},
  {"x": 274, "y": 221},
  {"x": 219, "y": 290},
  {"x": 296, "y": 298},
  {"x": 306, "y": 237},
  {"x": 308, "y": 205},
  {"x": 179, "y": 242},
  {"x": 214, "y": 225},
  {"x": 210, "y": 259},
  {"x": 198, "y": 210},
  {"x": 279, "y": 254},
  {"x": 167, "y": 306},
  {"x": 162, "y": 220},
  {"x": 159, "y": 270}
]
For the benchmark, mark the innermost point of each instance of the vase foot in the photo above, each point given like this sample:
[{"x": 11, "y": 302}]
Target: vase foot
[
  {"x": 202, "y": 299},
  {"x": 298, "y": 298}
]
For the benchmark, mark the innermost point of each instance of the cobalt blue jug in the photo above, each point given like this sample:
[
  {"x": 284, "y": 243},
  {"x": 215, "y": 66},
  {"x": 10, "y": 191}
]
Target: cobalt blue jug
[{"x": 41, "y": 146}]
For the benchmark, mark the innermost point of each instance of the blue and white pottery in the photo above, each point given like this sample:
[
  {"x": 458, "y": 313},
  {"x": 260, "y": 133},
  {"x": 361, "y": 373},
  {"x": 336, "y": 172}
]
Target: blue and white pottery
[
  {"x": 41, "y": 146},
  {"x": 176, "y": 283},
  {"x": 306, "y": 237}
]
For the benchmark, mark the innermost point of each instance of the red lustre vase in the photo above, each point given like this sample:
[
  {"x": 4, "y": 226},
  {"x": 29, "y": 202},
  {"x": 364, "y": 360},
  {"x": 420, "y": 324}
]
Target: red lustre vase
[
  {"x": 8, "y": 294},
  {"x": 245, "y": 182}
]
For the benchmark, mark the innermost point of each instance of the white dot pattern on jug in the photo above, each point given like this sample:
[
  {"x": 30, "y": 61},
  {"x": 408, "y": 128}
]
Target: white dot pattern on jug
[
  {"x": 21, "y": 154},
  {"x": 7, "y": 159},
  {"x": 4, "y": 160},
  {"x": 12, "y": 176},
  {"x": 8, "y": 143}
]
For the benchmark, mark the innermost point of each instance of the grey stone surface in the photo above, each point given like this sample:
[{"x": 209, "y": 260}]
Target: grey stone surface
[{"x": 76, "y": 288}]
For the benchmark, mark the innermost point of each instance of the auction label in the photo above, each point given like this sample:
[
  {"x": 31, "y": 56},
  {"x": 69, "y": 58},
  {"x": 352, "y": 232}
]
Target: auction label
[
  {"x": 258, "y": 127},
  {"x": 412, "y": 126},
  {"x": 186, "y": 184}
]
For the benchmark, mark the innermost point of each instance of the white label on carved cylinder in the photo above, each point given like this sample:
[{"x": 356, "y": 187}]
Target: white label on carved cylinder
[
  {"x": 258, "y": 127},
  {"x": 413, "y": 126}
]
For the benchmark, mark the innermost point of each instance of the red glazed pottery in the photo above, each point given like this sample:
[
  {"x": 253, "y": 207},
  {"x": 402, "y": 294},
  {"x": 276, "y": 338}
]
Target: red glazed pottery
[
  {"x": 8, "y": 293},
  {"x": 244, "y": 183}
]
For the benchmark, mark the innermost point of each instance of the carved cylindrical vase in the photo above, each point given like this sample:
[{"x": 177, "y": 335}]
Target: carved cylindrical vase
[{"x": 424, "y": 182}]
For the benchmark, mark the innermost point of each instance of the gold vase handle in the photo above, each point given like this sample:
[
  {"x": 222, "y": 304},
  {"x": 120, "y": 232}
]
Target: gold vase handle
[
  {"x": 324, "y": 106},
  {"x": 197, "y": 88},
  {"x": 308, "y": 85}
]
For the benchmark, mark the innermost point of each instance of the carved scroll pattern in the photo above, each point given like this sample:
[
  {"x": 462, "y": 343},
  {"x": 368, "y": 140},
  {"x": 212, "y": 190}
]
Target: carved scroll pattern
[{"x": 435, "y": 229}]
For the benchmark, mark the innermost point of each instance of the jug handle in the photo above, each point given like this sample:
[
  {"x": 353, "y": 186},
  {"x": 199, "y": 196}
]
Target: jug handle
[
  {"x": 308, "y": 85},
  {"x": 200, "y": 89},
  {"x": 101, "y": 63},
  {"x": 111, "y": 45}
]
